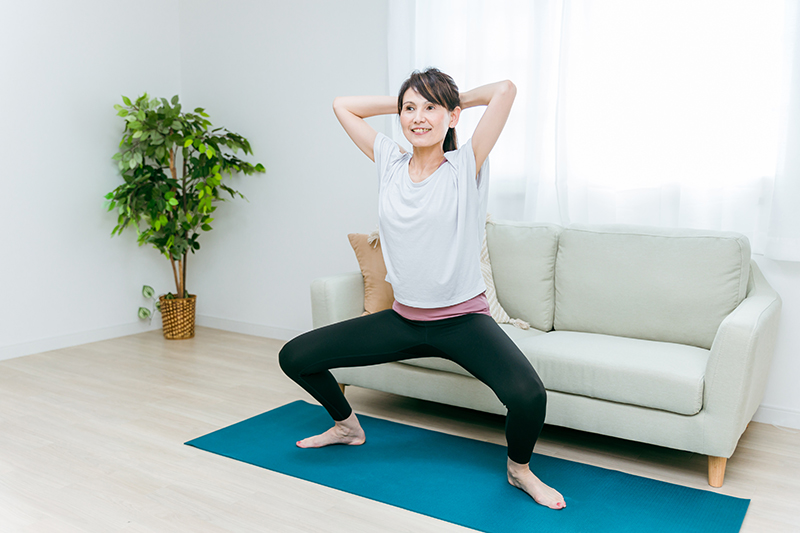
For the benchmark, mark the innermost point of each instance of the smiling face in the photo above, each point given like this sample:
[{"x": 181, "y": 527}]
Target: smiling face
[{"x": 425, "y": 123}]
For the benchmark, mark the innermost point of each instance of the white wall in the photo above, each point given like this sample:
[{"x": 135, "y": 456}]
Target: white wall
[
  {"x": 270, "y": 71},
  {"x": 267, "y": 70},
  {"x": 64, "y": 65},
  {"x": 781, "y": 403}
]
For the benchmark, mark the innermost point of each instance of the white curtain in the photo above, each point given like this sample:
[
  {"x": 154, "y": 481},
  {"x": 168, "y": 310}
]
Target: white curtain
[{"x": 670, "y": 113}]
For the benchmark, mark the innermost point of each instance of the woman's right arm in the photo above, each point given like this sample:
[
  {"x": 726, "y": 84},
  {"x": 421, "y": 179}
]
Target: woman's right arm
[{"x": 351, "y": 112}]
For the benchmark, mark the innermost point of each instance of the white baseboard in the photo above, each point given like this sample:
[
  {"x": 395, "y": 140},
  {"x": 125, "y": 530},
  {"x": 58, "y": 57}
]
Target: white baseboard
[
  {"x": 122, "y": 330},
  {"x": 75, "y": 339},
  {"x": 257, "y": 330},
  {"x": 778, "y": 416}
]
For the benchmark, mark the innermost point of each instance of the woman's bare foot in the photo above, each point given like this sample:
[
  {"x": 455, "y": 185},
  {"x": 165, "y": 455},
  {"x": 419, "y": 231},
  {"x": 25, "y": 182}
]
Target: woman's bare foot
[
  {"x": 521, "y": 477},
  {"x": 348, "y": 431}
]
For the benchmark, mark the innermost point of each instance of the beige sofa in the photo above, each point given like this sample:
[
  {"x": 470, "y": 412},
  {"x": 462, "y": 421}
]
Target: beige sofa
[{"x": 662, "y": 336}]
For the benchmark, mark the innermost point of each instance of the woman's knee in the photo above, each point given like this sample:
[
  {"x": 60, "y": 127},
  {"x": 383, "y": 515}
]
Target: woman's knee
[
  {"x": 289, "y": 358},
  {"x": 527, "y": 393}
]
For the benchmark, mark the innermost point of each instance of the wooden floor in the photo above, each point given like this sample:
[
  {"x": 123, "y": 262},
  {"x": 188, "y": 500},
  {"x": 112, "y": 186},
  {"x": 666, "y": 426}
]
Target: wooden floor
[{"x": 91, "y": 439}]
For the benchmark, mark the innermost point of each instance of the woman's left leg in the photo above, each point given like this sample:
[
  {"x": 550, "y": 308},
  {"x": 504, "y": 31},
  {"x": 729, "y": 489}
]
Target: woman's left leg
[{"x": 478, "y": 344}]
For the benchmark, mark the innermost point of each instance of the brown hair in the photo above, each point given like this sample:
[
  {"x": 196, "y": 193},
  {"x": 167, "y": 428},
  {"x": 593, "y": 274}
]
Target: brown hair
[{"x": 436, "y": 87}]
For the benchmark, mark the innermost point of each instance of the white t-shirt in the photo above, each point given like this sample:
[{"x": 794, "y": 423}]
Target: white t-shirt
[{"x": 431, "y": 232}]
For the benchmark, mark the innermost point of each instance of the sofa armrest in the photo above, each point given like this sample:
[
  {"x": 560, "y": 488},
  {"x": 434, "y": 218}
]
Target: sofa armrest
[
  {"x": 738, "y": 366},
  {"x": 336, "y": 298}
]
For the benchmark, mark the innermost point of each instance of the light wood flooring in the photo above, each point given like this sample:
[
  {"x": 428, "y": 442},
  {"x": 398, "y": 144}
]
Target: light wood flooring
[{"x": 91, "y": 439}]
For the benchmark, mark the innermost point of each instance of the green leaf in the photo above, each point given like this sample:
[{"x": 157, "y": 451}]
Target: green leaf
[
  {"x": 122, "y": 113},
  {"x": 188, "y": 142},
  {"x": 132, "y": 163},
  {"x": 201, "y": 194},
  {"x": 173, "y": 201},
  {"x": 144, "y": 313},
  {"x": 175, "y": 99},
  {"x": 260, "y": 168},
  {"x": 126, "y": 100},
  {"x": 137, "y": 134},
  {"x": 117, "y": 156},
  {"x": 148, "y": 292},
  {"x": 206, "y": 227}
]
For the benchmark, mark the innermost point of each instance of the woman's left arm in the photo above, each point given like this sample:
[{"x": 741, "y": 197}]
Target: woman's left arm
[{"x": 498, "y": 97}]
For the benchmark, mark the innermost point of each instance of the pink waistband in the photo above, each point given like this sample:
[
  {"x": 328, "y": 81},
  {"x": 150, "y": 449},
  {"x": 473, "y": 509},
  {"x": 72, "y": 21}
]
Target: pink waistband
[{"x": 478, "y": 304}]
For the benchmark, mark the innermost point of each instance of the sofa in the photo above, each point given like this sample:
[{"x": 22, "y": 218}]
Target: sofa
[{"x": 662, "y": 336}]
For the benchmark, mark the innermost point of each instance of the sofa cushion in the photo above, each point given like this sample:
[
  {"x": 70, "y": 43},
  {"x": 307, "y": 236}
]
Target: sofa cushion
[
  {"x": 671, "y": 285},
  {"x": 436, "y": 363},
  {"x": 660, "y": 375},
  {"x": 523, "y": 257}
]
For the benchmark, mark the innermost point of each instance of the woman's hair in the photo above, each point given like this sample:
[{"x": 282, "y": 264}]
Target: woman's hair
[{"x": 436, "y": 87}]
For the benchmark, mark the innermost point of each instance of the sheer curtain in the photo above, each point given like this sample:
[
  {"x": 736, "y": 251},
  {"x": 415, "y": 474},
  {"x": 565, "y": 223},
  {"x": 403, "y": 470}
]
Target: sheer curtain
[{"x": 670, "y": 113}]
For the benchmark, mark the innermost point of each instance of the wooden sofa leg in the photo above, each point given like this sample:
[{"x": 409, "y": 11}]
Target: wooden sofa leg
[
  {"x": 342, "y": 386},
  {"x": 716, "y": 470}
]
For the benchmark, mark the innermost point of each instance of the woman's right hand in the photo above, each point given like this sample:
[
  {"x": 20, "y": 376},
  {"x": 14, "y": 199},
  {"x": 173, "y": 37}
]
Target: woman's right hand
[{"x": 351, "y": 112}]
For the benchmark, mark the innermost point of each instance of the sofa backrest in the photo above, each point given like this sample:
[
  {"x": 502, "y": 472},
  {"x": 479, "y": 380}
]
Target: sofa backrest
[
  {"x": 672, "y": 285},
  {"x": 523, "y": 257}
]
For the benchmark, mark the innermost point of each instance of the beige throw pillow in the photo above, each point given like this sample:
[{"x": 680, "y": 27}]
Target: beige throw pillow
[{"x": 378, "y": 294}]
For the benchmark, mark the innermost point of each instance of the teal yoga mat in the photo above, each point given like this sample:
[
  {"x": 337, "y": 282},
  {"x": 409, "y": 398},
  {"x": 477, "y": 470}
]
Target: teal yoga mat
[{"x": 463, "y": 480}]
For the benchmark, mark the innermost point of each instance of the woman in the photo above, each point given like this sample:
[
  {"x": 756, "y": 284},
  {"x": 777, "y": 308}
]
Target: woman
[{"x": 432, "y": 209}]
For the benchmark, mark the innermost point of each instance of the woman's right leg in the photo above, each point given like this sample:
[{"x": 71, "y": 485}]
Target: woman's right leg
[{"x": 367, "y": 340}]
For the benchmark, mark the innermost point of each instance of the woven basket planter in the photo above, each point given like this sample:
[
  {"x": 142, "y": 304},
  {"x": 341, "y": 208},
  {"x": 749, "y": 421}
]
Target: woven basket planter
[{"x": 177, "y": 317}]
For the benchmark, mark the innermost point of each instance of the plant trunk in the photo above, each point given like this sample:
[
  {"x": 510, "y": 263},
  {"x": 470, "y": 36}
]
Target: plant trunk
[
  {"x": 178, "y": 272},
  {"x": 175, "y": 274},
  {"x": 183, "y": 275},
  {"x": 172, "y": 169}
]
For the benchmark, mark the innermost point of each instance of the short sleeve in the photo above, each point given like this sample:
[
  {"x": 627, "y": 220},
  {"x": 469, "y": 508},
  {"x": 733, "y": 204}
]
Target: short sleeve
[
  {"x": 464, "y": 158},
  {"x": 385, "y": 151}
]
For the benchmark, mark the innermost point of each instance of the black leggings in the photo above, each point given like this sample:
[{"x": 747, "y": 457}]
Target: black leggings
[{"x": 473, "y": 341}]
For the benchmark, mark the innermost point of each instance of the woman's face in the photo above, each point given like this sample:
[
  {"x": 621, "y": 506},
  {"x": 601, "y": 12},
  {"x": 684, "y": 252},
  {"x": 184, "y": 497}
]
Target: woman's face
[{"x": 425, "y": 123}]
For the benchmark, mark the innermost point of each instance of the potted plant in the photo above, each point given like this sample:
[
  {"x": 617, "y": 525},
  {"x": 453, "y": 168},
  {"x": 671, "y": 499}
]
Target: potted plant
[{"x": 172, "y": 164}]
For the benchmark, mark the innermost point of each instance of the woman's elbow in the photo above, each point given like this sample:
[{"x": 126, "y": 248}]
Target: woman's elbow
[{"x": 508, "y": 88}]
